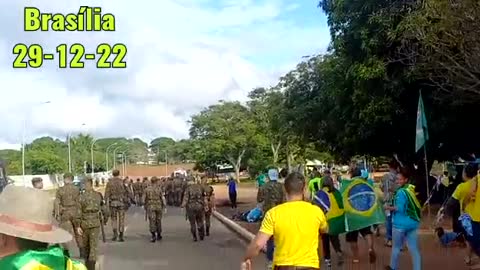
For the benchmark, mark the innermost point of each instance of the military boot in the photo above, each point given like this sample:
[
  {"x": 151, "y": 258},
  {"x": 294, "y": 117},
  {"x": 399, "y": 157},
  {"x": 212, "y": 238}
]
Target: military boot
[
  {"x": 207, "y": 231},
  {"x": 120, "y": 237},
  {"x": 153, "y": 238},
  {"x": 201, "y": 233},
  {"x": 159, "y": 236},
  {"x": 90, "y": 265},
  {"x": 115, "y": 235}
]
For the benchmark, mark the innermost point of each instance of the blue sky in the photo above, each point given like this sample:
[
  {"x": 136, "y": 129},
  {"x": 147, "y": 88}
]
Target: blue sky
[{"x": 183, "y": 55}]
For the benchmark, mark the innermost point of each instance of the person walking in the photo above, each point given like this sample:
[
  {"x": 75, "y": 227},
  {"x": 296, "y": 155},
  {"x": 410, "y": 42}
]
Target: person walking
[
  {"x": 406, "y": 212},
  {"x": 118, "y": 200},
  {"x": 270, "y": 195},
  {"x": 329, "y": 199},
  {"x": 232, "y": 192},
  {"x": 195, "y": 202},
  {"x": 210, "y": 196},
  {"x": 388, "y": 186},
  {"x": 295, "y": 225},
  {"x": 27, "y": 229},
  {"x": 66, "y": 201},
  {"x": 137, "y": 192},
  {"x": 92, "y": 206},
  {"x": 155, "y": 205},
  {"x": 177, "y": 190}
]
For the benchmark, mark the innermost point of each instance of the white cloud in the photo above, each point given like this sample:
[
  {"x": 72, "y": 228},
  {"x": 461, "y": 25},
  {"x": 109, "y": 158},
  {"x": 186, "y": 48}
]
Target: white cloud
[{"x": 182, "y": 56}]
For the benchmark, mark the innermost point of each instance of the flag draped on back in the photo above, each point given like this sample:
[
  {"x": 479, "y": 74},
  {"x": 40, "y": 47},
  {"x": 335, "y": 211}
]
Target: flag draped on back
[
  {"x": 422, "y": 130},
  {"x": 332, "y": 205},
  {"x": 361, "y": 202},
  {"x": 50, "y": 259}
]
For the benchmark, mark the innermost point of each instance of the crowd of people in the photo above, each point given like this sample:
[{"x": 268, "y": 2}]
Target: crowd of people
[
  {"x": 302, "y": 218},
  {"x": 29, "y": 239}
]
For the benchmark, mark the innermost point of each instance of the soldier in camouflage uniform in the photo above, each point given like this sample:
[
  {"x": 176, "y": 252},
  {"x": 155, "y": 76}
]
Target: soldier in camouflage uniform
[
  {"x": 210, "y": 196},
  {"x": 138, "y": 192},
  {"x": 155, "y": 205},
  {"x": 270, "y": 195},
  {"x": 195, "y": 202},
  {"x": 118, "y": 200},
  {"x": 177, "y": 191},
  {"x": 169, "y": 191},
  {"x": 68, "y": 210},
  {"x": 91, "y": 203}
]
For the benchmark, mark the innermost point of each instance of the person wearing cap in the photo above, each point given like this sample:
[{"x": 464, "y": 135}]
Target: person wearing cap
[
  {"x": 26, "y": 230},
  {"x": 66, "y": 200},
  {"x": 232, "y": 191},
  {"x": 270, "y": 195},
  {"x": 37, "y": 182}
]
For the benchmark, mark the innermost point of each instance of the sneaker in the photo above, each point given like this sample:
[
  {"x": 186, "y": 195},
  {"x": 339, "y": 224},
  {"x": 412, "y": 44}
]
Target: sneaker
[{"x": 269, "y": 265}]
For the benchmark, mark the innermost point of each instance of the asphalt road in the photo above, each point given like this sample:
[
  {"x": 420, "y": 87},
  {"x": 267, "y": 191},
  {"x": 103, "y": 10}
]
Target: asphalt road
[{"x": 221, "y": 250}]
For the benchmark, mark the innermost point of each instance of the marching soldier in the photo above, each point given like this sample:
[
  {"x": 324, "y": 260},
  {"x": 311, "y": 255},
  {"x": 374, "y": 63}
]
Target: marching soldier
[
  {"x": 210, "y": 196},
  {"x": 169, "y": 190},
  {"x": 91, "y": 206},
  {"x": 195, "y": 203},
  {"x": 68, "y": 210},
  {"x": 137, "y": 191},
  {"x": 118, "y": 200},
  {"x": 177, "y": 190},
  {"x": 155, "y": 205}
]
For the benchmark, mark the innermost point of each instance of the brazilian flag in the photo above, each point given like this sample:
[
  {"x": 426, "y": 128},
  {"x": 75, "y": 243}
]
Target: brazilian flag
[
  {"x": 362, "y": 204},
  {"x": 50, "y": 259},
  {"x": 332, "y": 205}
]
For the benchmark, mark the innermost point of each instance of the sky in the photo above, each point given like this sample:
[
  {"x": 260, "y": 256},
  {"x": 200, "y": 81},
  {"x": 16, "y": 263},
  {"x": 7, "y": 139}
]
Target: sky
[{"x": 183, "y": 55}]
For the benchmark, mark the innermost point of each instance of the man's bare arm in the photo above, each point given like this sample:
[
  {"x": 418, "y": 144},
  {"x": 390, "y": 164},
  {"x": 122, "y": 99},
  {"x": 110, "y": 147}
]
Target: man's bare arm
[{"x": 256, "y": 245}]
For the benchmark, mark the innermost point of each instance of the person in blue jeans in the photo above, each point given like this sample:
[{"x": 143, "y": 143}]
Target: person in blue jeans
[
  {"x": 388, "y": 186},
  {"x": 232, "y": 192},
  {"x": 406, "y": 212}
]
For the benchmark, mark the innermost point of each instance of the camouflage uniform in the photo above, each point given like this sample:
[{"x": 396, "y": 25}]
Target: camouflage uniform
[
  {"x": 195, "y": 202},
  {"x": 91, "y": 203},
  {"x": 155, "y": 205},
  {"x": 118, "y": 199},
  {"x": 177, "y": 191},
  {"x": 271, "y": 194},
  {"x": 210, "y": 196},
  {"x": 66, "y": 201},
  {"x": 138, "y": 192},
  {"x": 169, "y": 190}
]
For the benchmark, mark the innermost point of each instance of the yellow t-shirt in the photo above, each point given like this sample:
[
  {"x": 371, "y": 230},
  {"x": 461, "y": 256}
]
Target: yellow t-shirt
[
  {"x": 295, "y": 229},
  {"x": 473, "y": 207}
]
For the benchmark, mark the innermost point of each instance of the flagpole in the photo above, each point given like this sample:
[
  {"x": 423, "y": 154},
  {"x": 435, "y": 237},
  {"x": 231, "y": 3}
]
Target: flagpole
[{"x": 427, "y": 178}]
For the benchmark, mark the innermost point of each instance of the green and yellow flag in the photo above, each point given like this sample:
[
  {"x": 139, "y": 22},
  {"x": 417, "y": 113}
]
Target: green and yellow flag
[
  {"x": 362, "y": 204},
  {"x": 52, "y": 258},
  {"x": 332, "y": 205}
]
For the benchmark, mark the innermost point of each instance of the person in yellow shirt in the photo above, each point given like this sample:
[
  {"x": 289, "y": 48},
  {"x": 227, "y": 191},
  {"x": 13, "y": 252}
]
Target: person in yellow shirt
[
  {"x": 295, "y": 225},
  {"x": 466, "y": 196}
]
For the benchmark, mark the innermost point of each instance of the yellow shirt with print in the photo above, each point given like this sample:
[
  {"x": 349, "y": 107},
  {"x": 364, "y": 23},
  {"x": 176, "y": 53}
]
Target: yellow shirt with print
[
  {"x": 473, "y": 206},
  {"x": 295, "y": 229}
]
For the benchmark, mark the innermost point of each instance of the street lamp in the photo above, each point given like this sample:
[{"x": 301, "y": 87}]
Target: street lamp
[
  {"x": 70, "y": 151},
  {"x": 91, "y": 152},
  {"x": 106, "y": 154},
  {"x": 115, "y": 155},
  {"x": 23, "y": 141}
]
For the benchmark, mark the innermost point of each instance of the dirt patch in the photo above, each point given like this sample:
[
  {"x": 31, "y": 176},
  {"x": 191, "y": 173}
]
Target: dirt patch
[{"x": 434, "y": 256}]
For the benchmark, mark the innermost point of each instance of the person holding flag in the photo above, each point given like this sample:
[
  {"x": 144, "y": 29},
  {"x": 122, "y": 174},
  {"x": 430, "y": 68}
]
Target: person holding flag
[
  {"x": 406, "y": 212},
  {"x": 329, "y": 199}
]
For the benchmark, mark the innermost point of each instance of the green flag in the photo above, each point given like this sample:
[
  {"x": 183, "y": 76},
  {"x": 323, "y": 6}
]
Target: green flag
[{"x": 422, "y": 131}]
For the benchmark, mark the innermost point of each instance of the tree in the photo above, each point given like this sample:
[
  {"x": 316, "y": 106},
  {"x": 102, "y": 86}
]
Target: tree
[
  {"x": 226, "y": 131},
  {"x": 44, "y": 162},
  {"x": 160, "y": 146}
]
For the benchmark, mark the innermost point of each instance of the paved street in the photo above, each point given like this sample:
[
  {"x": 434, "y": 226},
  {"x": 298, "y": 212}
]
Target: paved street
[{"x": 222, "y": 250}]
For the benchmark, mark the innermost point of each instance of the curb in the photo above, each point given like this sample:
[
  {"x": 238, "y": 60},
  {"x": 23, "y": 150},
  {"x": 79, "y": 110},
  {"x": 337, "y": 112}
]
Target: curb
[{"x": 233, "y": 226}]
